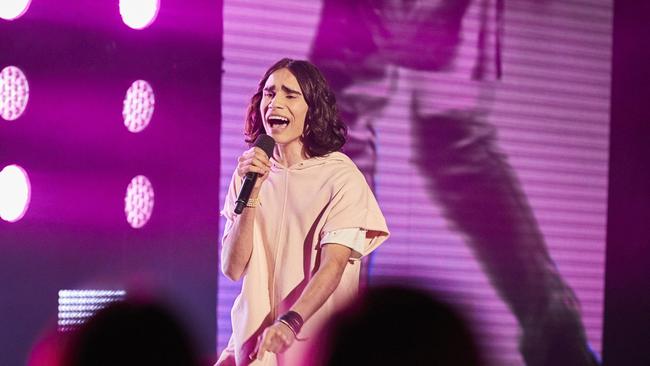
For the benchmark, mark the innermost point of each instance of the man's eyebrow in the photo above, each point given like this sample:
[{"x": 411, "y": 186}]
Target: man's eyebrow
[{"x": 289, "y": 90}]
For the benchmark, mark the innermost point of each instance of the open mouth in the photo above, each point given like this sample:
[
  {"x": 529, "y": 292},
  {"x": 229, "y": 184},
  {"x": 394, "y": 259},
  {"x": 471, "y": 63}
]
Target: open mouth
[{"x": 277, "y": 121}]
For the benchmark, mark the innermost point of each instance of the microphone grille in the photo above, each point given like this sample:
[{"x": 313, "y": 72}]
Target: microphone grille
[{"x": 266, "y": 143}]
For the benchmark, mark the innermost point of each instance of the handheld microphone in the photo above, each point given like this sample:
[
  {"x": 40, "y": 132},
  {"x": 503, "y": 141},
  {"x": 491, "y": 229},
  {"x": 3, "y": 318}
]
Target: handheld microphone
[{"x": 266, "y": 143}]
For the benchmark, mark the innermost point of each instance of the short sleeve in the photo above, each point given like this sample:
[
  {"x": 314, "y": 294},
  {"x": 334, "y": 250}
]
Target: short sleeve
[
  {"x": 353, "y": 205},
  {"x": 353, "y": 238}
]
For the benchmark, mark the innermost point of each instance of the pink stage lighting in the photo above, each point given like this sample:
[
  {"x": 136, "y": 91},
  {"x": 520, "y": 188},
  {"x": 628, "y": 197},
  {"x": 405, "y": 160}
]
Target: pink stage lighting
[
  {"x": 139, "y": 14},
  {"x": 138, "y": 107},
  {"x": 15, "y": 192},
  {"x": 138, "y": 203},
  {"x": 13, "y": 9},
  {"x": 14, "y": 93}
]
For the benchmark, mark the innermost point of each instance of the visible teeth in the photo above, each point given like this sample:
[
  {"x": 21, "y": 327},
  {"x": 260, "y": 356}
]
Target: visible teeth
[{"x": 278, "y": 120}]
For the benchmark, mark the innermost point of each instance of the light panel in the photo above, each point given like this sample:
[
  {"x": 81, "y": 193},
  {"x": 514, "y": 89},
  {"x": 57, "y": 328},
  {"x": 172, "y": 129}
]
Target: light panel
[{"x": 77, "y": 306}]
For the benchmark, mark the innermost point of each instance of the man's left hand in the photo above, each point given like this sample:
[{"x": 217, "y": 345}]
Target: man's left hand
[{"x": 276, "y": 339}]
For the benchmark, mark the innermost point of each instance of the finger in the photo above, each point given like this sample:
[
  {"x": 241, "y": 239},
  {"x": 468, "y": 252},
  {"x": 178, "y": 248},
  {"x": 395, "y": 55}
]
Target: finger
[
  {"x": 286, "y": 342},
  {"x": 282, "y": 345},
  {"x": 245, "y": 165},
  {"x": 253, "y": 354},
  {"x": 244, "y": 170},
  {"x": 257, "y": 170},
  {"x": 275, "y": 346},
  {"x": 242, "y": 166},
  {"x": 256, "y": 151},
  {"x": 263, "y": 345},
  {"x": 264, "y": 176},
  {"x": 282, "y": 341},
  {"x": 254, "y": 161},
  {"x": 248, "y": 154},
  {"x": 260, "y": 164},
  {"x": 260, "y": 353},
  {"x": 272, "y": 343},
  {"x": 261, "y": 155},
  {"x": 262, "y": 161}
]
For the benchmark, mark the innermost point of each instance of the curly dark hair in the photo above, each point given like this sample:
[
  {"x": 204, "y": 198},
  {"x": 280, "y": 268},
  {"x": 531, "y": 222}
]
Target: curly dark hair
[{"x": 324, "y": 130}]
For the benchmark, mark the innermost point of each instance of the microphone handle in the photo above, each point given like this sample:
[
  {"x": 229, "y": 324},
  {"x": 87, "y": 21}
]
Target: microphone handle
[{"x": 245, "y": 193}]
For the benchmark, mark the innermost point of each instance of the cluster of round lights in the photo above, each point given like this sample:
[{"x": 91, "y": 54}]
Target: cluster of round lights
[
  {"x": 15, "y": 188},
  {"x": 139, "y": 102},
  {"x": 137, "y": 110}
]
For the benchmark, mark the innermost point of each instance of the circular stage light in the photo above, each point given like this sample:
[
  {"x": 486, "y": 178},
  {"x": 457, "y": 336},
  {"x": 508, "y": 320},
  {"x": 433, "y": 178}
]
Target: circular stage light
[
  {"x": 13, "y": 9},
  {"x": 139, "y": 14},
  {"x": 138, "y": 107},
  {"x": 15, "y": 193},
  {"x": 14, "y": 93},
  {"x": 138, "y": 203}
]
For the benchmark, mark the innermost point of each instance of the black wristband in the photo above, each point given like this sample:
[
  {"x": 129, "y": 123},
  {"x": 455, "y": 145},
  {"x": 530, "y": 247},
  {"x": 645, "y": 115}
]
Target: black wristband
[{"x": 293, "y": 320}]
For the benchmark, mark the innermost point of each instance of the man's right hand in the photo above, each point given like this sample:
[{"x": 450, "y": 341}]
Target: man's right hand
[{"x": 254, "y": 160}]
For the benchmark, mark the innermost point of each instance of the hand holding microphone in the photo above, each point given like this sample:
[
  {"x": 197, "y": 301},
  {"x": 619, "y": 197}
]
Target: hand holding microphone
[{"x": 254, "y": 164}]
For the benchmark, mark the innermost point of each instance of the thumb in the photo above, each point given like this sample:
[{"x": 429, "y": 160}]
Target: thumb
[{"x": 253, "y": 354}]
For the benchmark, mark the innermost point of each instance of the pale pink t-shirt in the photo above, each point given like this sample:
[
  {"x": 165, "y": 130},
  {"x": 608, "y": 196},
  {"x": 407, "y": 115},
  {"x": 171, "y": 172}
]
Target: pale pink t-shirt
[{"x": 298, "y": 206}]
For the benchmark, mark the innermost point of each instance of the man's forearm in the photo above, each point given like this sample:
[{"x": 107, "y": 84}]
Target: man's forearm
[
  {"x": 237, "y": 246},
  {"x": 324, "y": 282}
]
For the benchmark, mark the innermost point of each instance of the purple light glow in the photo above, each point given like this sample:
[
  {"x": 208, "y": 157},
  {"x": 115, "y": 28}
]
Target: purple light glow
[
  {"x": 139, "y": 14},
  {"x": 14, "y": 93},
  {"x": 139, "y": 104},
  {"x": 138, "y": 203},
  {"x": 15, "y": 193},
  {"x": 13, "y": 9}
]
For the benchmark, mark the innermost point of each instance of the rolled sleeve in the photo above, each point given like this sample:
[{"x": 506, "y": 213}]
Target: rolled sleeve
[{"x": 353, "y": 238}]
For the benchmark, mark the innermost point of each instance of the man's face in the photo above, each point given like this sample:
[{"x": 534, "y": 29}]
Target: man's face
[{"x": 283, "y": 108}]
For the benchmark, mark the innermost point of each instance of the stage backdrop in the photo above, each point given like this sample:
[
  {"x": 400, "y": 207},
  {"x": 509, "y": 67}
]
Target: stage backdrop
[{"x": 542, "y": 82}]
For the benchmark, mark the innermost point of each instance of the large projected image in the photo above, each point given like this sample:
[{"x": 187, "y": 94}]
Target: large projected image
[{"x": 483, "y": 128}]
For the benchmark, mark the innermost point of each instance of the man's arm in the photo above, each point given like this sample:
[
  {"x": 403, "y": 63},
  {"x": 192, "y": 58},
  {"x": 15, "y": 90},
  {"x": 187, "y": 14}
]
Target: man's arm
[
  {"x": 237, "y": 246},
  {"x": 334, "y": 257}
]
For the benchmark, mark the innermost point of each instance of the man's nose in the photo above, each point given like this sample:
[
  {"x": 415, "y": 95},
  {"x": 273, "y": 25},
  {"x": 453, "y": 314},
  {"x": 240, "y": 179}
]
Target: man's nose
[{"x": 276, "y": 102}]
